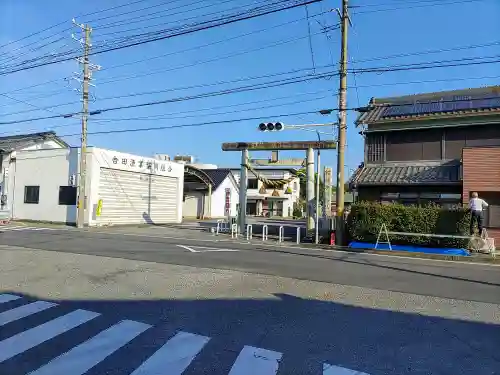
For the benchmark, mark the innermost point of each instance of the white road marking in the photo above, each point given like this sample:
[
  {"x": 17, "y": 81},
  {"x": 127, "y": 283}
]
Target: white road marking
[
  {"x": 14, "y": 228},
  {"x": 336, "y": 370},
  {"x": 187, "y": 248},
  {"x": 175, "y": 356},
  {"x": 35, "y": 336},
  {"x": 8, "y": 297},
  {"x": 206, "y": 249},
  {"x": 253, "y": 361},
  {"x": 83, "y": 357},
  {"x": 24, "y": 311}
]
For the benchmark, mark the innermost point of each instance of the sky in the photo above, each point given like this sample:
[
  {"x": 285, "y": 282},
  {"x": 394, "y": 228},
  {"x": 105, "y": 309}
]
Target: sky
[{"x": 304, "y": 40}]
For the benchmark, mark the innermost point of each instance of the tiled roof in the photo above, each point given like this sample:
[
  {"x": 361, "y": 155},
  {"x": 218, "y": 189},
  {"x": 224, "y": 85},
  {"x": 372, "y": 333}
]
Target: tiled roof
[
  {"x": 408, "y": 174},
  {"x": 17, "y": 142},
  {"x": 217, "y": 175},
  {"x": 477, "y": 100}
]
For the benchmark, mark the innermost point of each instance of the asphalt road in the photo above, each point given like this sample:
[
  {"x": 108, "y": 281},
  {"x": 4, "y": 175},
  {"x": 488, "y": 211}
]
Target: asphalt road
[
  {"x": 424, "y": 277},
  {"x": 151, "y": 306}
]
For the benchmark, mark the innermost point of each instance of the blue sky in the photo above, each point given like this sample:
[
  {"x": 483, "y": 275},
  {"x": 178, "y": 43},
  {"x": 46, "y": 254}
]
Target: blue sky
[{"x": 381, "y": 28}]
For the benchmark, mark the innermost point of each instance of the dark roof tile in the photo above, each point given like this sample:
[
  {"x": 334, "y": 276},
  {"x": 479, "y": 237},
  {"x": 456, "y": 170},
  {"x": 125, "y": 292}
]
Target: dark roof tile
[
  {"x": 17, "y": 142},
  {"x": 217, "y": 175},
  {"x": 406, "y": 174}
]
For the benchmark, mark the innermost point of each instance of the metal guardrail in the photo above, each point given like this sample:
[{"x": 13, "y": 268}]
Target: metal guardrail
[
  {"x": 249, "y": 232},
  {"x": 234, "y": 231},
  {"x": 265, "y": 232},
  {"x": 281, "y": 233},
  {"x": 222, "y": 226}
]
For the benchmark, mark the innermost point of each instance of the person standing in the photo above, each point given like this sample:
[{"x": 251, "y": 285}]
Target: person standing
[{"x": 476, "y": 206}]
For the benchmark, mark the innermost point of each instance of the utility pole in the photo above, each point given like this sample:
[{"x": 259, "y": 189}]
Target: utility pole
[
  {"x": 342, "y": 127},
  {"x": 87, "y": 30}
]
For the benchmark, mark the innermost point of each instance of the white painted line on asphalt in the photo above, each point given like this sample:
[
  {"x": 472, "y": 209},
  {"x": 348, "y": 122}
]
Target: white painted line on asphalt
[
  {"x": 206, "y": 249},
  {"x": 175, "y": 356},
  {"x": 253, "y": 361},
  {"x": 336, "y": 370},
  {"x": 24, "y": 311},
  {"x": 14, "y": 228},
  {"x": 83, "y": 357},
  {"x": 35, "y": 336},
  {"x": 4, "y": 298},
  {"x": 187, "y": 248}
]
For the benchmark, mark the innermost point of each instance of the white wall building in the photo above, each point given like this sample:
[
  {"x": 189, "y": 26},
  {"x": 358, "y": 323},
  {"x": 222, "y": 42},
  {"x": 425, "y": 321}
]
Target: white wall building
[
  {"x": 263, "y": 201},
  {"x": 121, "y": 188},
  {"x": 219, "y": 201}
]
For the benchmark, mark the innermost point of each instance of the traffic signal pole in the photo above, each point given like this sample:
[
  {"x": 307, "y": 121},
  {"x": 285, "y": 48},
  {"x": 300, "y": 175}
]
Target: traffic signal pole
[{"x": 342, "y": 127}]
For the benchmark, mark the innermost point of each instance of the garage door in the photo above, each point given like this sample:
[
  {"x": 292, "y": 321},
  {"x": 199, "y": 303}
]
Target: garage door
[{"x": 134, "y": 198}]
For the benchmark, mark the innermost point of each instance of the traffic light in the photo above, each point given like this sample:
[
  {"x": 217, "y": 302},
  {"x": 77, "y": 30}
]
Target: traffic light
[{"x": 271, "y": 127}]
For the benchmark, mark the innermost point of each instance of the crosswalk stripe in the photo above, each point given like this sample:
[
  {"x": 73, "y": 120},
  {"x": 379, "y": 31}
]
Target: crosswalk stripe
[
  {"x": 24, "y": 311},
  {"x": 175, "y": 356},
  {"x": 83, "y": 357},
  {"x": 252, "y": 361},
  {"x": 4, "y": 298},
  {"x": 336, "y": 370},
  {"x": 35, "y": 336}
]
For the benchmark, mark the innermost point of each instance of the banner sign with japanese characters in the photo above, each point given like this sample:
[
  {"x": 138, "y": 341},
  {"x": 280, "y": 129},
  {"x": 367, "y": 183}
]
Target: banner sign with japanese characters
[
  {"x": 134, "y": 163},
  {"x": 227, "y": 202}
]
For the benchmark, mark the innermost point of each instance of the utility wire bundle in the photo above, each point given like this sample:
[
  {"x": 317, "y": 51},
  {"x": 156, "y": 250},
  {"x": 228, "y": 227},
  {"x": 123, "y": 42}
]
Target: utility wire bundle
[{"x": 143, "y": 38}]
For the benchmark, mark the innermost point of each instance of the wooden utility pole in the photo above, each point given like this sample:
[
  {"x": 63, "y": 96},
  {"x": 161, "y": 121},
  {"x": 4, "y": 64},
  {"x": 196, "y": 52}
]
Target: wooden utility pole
[
  {"x": 85, "y": 114},
  {"x": 342, "y": 126}
]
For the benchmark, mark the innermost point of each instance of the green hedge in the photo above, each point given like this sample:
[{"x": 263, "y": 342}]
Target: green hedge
[{"x": 365, "y": 219}]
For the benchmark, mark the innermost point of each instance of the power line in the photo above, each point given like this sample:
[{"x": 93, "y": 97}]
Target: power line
[
  {"x": 93, "y": 21},
  {"x": 429, "y": 52},
  {"x": 164, "y": 117},
  {"x": 154, "y": 103},
  {"x": 273, "y": 27},
  {"x": 270, "y": 84},
  {"x": 433, "y": 4},
  {"x": 422, "y": 66},
  {"x": 134, "y": 130},
  {"x": 218, "y": 58},
  {"x": 301, "y": 78},
  {"x": 293, "y": 80},
  {"x": 159, "y": 14},
  {"x": 180, "y": 31}
]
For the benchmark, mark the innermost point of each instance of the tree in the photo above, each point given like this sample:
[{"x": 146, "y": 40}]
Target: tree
[{"x": 301, "y": 173}]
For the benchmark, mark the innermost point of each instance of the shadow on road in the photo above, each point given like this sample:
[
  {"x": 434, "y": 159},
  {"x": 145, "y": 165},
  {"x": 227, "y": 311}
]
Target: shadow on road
[
  {"x": 309, "y": 332},
  {"x": 140, "y": 247},
  {"x": 347, "y": 258}
]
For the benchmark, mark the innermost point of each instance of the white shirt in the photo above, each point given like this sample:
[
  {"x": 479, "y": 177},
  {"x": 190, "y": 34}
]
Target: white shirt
[{"x": 477, "y": 204}]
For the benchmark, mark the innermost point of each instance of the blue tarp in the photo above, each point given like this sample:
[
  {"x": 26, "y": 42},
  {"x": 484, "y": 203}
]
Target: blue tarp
[{"x": 413, "y": 249}]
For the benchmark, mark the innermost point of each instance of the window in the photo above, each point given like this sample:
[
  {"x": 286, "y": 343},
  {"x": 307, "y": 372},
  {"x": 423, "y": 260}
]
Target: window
[
  {"x": 67, "y": 195},
  {"x": 31, "y": 194},
  {"x": 375, "y": 148},
  {"x": 253, "y": 183}
]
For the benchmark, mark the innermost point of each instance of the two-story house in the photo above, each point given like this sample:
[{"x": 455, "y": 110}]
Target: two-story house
[
  {"x": 435, "y": 147},
  {"x": 263, "y": 200}
]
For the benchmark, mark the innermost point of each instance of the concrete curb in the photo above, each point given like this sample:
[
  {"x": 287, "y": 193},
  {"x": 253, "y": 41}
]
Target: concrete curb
[{"x": 476, "y": 258}]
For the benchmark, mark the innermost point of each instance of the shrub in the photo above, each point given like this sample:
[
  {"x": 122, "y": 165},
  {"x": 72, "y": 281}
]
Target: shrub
[
  {"x": 297, "y": 210},
  {"x": 366, "y": 218}
]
